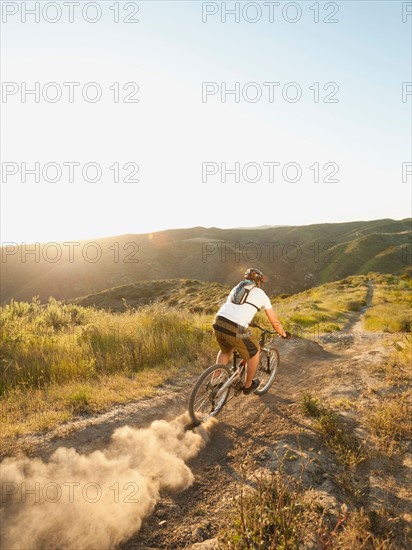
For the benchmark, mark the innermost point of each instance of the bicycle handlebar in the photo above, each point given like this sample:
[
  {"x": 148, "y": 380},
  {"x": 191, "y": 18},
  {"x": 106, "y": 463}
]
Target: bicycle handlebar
[
  {"x": 254, "y": 325},
  {"x": 265, "y": 331}
]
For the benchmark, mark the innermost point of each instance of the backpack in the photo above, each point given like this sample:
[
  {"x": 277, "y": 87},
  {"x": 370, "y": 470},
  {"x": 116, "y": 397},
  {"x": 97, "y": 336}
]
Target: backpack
[{"x": 241, "y": 293}]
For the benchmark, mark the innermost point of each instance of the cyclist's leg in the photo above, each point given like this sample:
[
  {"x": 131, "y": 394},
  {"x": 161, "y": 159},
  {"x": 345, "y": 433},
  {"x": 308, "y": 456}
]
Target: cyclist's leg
[
  {"x": 223, "y": 357},
  {"x": 225, "y": 352},
  {"x": 248, "y": 349},
  {"x": 252, "y": 365}
]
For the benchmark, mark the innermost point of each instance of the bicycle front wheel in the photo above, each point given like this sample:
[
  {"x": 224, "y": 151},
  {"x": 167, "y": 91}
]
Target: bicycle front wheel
[
  {"x": 267, "y": 370},
  {"x": 207, "y": 399}
]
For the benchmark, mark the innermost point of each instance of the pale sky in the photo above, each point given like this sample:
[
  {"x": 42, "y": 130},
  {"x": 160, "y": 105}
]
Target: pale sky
[{"x": 170, "y": 133}]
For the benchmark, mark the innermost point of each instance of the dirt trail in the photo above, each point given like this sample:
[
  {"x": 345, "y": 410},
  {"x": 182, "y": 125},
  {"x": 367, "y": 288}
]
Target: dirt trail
[
  {"x": 259, "y": 427},
  {"x": 265, "y": 428}
]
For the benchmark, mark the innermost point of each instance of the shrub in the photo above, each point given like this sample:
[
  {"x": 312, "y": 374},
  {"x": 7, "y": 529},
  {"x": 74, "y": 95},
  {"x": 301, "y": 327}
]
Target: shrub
[
  {"x": 353, "y": 306},
  {"x": 329, "y": 327}
]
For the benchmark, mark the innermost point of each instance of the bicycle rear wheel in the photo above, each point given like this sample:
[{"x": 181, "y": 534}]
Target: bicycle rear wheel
[
  {"x": 206, "y": 400},
  {"x": 267, "y": 370}
]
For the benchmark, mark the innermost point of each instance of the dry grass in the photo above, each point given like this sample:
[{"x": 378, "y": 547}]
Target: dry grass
[
  {"x": 271, "y": 517},
  {"x": 338, "y": 436},
  {"x": 365, "y": 530},
  {"x": 277, "y": 515},
  {"x": 62, "y": 343},
  {"x": 389, "y": 418},
  {"x": 391, "y": 305},
  {"x": 35, "y": 411},
  {"x": 59, "y": 360},
  {"x": 390, "y": 423}
]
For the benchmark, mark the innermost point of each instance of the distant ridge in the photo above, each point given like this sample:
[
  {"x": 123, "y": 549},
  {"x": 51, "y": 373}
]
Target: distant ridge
[
  {"x": 294, "y": 257},
  {"x": 262, "y": 227}
]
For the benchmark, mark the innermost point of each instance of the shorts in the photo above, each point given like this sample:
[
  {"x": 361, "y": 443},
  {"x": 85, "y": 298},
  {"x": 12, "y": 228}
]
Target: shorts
[{"x": 231, "y": 335}]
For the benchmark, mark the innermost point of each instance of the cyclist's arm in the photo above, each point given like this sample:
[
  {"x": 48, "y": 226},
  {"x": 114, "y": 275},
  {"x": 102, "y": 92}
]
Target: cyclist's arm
[{"x": 274, "y": 321}]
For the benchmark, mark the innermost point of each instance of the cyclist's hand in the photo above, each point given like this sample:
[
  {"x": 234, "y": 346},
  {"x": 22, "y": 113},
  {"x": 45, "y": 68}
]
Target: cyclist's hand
[{"x": 288, "y": 335}]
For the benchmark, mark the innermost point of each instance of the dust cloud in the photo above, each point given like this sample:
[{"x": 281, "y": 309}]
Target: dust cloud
[{"x": 77, "y": 501}]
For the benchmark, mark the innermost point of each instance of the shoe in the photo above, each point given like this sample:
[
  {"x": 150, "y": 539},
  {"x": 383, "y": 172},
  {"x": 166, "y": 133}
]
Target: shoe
[{"x": 255, "y": 384}]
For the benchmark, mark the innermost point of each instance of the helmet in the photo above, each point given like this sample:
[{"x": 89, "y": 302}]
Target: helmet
[{"x": 256, "y": 275}]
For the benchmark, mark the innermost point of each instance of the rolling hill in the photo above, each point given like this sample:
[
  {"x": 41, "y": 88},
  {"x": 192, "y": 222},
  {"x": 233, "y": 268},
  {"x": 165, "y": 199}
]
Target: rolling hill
[
  {"x": 295, "y": 257},
  {"x": 193, "y": 295}
]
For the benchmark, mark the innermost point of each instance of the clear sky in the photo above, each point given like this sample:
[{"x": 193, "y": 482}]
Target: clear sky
[{"x": 181, "y": 141}]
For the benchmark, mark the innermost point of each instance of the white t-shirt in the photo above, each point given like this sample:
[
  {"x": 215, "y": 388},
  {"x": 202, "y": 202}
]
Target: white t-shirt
[{"x": 242, "y": 314}]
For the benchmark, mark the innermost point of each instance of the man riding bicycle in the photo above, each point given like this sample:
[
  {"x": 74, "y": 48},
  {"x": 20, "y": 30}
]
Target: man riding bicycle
[{"x": 231, "y": 324}]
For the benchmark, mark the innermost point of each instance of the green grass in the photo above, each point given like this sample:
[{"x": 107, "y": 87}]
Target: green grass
[
  {"x": 328, "y": 307},
  {"x": 79, "y": 399}
]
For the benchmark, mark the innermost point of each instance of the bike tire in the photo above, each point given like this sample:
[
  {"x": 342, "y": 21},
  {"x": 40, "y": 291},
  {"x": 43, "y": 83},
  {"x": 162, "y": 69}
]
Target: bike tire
[
  {"x": 193, "y": 406},
  {"x": 274, "y": 362}
]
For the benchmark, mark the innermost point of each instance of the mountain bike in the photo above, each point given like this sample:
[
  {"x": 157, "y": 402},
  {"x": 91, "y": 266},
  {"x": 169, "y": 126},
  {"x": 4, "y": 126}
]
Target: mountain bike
[{"x": 213, "y": 387}]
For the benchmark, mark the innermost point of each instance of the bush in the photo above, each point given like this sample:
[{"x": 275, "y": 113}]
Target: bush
[
  {"x": 353, "y": 306},
  {"x": 329, "y": 327}
]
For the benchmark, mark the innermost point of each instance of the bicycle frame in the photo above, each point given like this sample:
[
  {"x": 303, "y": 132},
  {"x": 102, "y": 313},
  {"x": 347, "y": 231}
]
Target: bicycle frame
[
  {"x": 213, "y": 388},
  {"x": 239, "y": 369}
]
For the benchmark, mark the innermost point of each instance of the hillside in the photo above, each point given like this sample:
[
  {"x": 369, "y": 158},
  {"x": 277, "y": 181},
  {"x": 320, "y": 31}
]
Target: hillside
[
  {"x": 295, "y": 258},
  {"x": 190, "y": 294}
]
